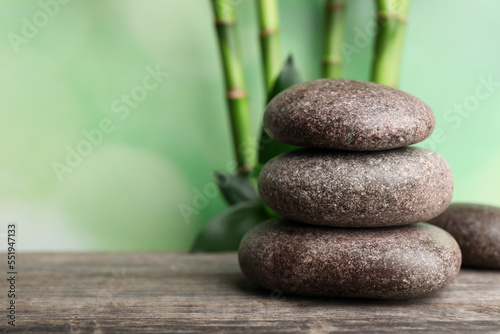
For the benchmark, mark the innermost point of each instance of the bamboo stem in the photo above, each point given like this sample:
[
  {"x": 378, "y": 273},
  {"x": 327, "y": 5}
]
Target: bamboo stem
[
  {"x": 270, "y": 41},
  {"x": 335, "y": 18},
  {"x": 392, "y": 16},
  {"x": 239, "y": 111}
]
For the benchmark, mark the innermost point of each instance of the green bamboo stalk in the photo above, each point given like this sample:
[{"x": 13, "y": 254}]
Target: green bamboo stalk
[
  {"x": 270, "y": 41},
  {"x": 239, "y": 111},
  {"x": 335, "y": 18},
  {"x": 392, "y": 16}
]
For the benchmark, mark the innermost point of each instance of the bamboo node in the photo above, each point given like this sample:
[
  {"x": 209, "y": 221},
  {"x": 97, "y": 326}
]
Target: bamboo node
[
  {"x": 220, "y": 21},
  {"x": 236, "y": 93},
  {"x": 334, "y": 62},
  {"x": 245, "y": 169},
  {"x": 269, "y": 31},
  {"x": 333, "y": 6},
  {"x": 386, "y": 15}
]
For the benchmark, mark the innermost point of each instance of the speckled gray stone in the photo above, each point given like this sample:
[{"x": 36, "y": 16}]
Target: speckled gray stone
[
  {"x": 477, "y": 231},
  {"x": 357, "y": 189},
  {"x": 347, "y": 115},
  {"x": 389, "y": 263}
]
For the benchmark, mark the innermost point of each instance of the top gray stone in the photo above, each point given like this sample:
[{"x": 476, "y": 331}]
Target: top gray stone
[{"x": 347, "y": 115}]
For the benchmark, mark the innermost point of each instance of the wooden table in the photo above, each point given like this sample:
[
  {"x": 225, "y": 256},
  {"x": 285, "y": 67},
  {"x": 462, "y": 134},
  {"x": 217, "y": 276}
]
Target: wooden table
[{"x": 165, "y": 292}]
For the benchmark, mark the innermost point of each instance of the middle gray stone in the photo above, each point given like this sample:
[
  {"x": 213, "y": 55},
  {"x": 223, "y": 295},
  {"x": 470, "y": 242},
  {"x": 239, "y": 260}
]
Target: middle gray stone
[{"x": 357, "y": 189}]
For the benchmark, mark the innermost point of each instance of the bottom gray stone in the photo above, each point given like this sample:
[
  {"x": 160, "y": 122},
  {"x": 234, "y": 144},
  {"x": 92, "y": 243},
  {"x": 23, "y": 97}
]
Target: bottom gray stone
[{"x": 385, "y": 263}]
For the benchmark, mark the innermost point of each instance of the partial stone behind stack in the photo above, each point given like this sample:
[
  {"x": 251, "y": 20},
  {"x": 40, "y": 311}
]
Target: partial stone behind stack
[
  {"x": 378, "y": 193},
  {"x": 477, "y": 230}
]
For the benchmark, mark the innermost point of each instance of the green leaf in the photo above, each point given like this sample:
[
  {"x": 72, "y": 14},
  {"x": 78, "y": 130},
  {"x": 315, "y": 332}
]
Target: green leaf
[
  {"x": 225, "y": 231},
  {"x": 269, "y": 148},
  {"x": 288, "y": 77},
  {"x": 236, "y": 188}
]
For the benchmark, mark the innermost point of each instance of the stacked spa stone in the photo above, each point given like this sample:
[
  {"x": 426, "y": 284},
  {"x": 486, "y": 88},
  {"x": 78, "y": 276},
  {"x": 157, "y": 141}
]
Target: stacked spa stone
[{"x": 353, "y": 199}]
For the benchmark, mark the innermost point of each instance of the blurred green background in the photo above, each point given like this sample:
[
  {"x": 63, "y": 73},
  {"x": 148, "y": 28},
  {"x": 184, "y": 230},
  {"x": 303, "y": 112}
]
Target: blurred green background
[{"x": 66, "y": 73}]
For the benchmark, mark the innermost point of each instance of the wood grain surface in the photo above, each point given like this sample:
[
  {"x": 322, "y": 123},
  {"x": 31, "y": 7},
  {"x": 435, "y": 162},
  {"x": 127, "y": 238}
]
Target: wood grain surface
[{"x": 186, "y": 293}]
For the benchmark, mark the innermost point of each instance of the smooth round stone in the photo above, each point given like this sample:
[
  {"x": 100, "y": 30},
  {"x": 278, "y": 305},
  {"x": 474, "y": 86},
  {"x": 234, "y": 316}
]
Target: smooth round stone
[
  {"x": 357, "y": 189},
  {"x": 347, "y": 115},
  {"x": 477, "y": 231},
  {"x": 389, "y": 263}
]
